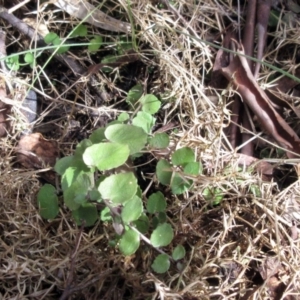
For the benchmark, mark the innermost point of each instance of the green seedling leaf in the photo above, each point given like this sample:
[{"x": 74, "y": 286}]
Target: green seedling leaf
[
  {"x": 193, "y": 168},
  {"x": 48, "y": 202},
  {"x": 156, "y": 203},
  {"x": 178, "y": 252},
  {"x": 94, "y": 195},
  {"x": 95, "y": 44},
  {"x": 150, "y": 104},
  {"x": 118, "y": 188},
  {"x": 51, "y": 37},
  {"x": 179, "y": 184},
  {"x": 133, "y": 136},
  {"x": 87, "y": 214},
  {"x": 183, "y": 156},
  {"x": 164, "y": 172},
  {"x": 142, "y": 224},
  {"x": 159, "y": 141},
  {"x": 144, "y": 120},
  {"x": 12, "y": 62},
  {"x": 108, "y": 59},
  {"x": 82, "y": 146},
  {"x": 76, "y": 194},
  {"x": 123, "y": 117},
  {"x": 161, "y": 263},
  {"x": 98, "y": 135},
  {"x": 132, "y": 210},
  {"x": 162, "y": 235},
  {"x": 63, "y": 164},
  {"x": 29, "y": 58},
  {"x": 134, "y": 94},
  {"x": 255, "y": 190},
  {"x": 213, "y": 195},
  {"x": 106, "y": 156},
  {"x": 69, "y": 176},
  {"x": 80, "y": 30},
  {"x": 105, "y": 215},
  {"x": 162, "y": 217},
  {"x": 129, "y": 242}
]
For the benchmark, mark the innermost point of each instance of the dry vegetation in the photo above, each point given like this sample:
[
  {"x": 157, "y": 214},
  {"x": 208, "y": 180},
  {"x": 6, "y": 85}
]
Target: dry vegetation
[{"x": 246, "y": 247}]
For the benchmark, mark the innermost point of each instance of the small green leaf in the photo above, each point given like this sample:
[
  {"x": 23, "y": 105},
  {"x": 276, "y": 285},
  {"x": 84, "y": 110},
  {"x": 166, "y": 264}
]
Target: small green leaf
[
  {"x": 61, "y": 48},
  {"x": 82, "y": 146},
  {"x": 95, "y": 43},
  {"x": 98, "y": 135},
  {"x": 162, "y": 235},
  {"x": 161, "y": 263},
  {"x": 179, "y": 184},
  {"x": 164, "y": 172},
  {"x": 80, "y": 30},
  {"x": 160, "y": 140},
  {"x": 118, "y": 188},
  {"x": 86, "y": 213},
  {"x": 29, "y": 58},
  {"x": 12, "y": 62},
  {"x": 193, "y": 168},
  {"x": 134, "y": 94},
  {"x": 105, "y": 215},
  {"x": 130, "y": 242},
  {"x": 178, "y": 252},
  {"x": 51, "y": 37},
  {"x": 62, "y": 164},
  {"x": 162, "y": 217},
  {"x": 144, "y": 120},
  {"x": 48, "y": 202},
  {"x": 106, "y": 156},
  {"x": 183, "y": 156},
  {"x": 214, "y": 195},
  {"x": 150, "y": 104},
  {"x": 106, "y": 60},
  {"x": 133, "y": 136},
  {"x": 156, "y": 203},
  {"x": 123, "y": 117},
  {"x": 132, "y": 210},
  {"x": 142, "y": 224}
]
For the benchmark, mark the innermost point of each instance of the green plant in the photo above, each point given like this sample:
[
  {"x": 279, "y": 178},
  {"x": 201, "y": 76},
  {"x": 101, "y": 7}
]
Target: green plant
[{"x": 97, "y": 182}]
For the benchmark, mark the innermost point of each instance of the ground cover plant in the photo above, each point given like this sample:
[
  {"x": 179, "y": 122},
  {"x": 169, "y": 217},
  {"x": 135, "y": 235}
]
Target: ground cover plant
[{"x": 150, "y": 150}]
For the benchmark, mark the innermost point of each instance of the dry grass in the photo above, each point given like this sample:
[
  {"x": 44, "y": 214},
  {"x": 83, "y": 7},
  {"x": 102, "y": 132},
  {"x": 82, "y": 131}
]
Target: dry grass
[{"x": 226, "y": 244}]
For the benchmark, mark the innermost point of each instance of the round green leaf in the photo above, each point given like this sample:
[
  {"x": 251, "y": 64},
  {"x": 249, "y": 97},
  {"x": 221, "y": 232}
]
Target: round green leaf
[
  {"x": 86, "y": 213},
  {"x": 162, "y": 235},
  {"x": 150, "y": 104},
  {"x": 132, "y": 210},
  {"x": 160, "y": 140},
  {"x": 80, "y": 30},
  {"x": 106, "y": 156},
  {"x": 164, "y": 172},
  {"x": 161, "y": 263},
  {"x": 95, "y": 44},
  {"x": 105, "y": 214},
  {"x": 134, "y": 94},
  {"x": 144, "y": 120},
  {"x": 156, "y": 203},
  {"x": 130, "y": 242},
  {"x": 48, "y": 202},
  {"x": 183, "y": 156},
  {"x": 193, "y": 168},
  {"x": 98, "y": 135},
  {"x": 133, "y": 136},
  {"x": 118, "y": 188},
  {"x": 51, "y": 37},
  {"x": 178, "y": 252},
  {"x": 62, "y": 164},
  {"x": 123, "y": 117},
  {"x": 180, "y": 184},
  {"x": 12, "y": 62},
  {"x": 29, "y": 58},
  {"x": 214, "y": 195},
  {"x": 142, "y": 224}
]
